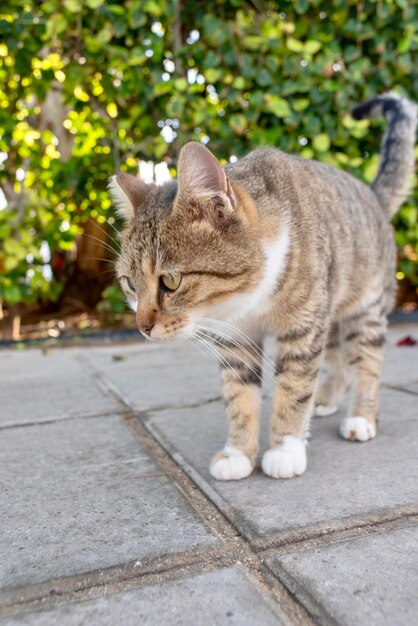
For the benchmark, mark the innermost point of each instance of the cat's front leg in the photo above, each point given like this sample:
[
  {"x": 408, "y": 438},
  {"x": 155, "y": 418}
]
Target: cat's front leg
[
  {"x": 241, "y": 378},
  {"x": 297, "y": 369}
]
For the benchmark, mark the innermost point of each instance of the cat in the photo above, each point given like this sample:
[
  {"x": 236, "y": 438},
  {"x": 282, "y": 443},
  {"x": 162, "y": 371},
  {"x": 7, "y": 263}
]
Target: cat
[{"x": 273, "y": 245}]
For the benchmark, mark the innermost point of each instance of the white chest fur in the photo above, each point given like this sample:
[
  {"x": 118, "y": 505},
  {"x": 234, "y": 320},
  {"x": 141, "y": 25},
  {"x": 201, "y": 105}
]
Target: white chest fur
[{"x": 258, "y": 301}]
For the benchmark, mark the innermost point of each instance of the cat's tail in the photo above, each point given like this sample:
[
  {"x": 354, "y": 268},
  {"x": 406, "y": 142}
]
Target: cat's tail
[{"x": 397, "y": 159}]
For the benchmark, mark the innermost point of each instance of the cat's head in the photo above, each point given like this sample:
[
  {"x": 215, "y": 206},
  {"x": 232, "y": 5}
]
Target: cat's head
[{"x": 190, "y": 248}]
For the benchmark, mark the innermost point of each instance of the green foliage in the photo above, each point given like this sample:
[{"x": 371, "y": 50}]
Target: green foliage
[
  {"x": 113, "y": 300},
  {"x": 220, "y": 71}
]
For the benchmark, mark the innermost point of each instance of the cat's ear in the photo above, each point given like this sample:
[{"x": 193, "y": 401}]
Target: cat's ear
[
  {"x": 201, "y": 176},
  {"x": 128, "y": 193}
]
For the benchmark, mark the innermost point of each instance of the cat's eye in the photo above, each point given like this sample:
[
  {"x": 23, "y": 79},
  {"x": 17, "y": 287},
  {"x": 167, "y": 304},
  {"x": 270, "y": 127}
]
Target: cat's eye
[
  {"x": 171, "y": 281},
  {"x": 130, "y": 285}
]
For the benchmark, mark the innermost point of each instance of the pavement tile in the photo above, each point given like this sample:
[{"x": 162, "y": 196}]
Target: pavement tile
[
  {"x": 343, "y": 478},
  {"x": 227, "y": 596},
  {"x": 144, "y": 354},
  {"x": 82, "y": 494},
  {"x": 33, "y": 362},
  {"x": 401, "y": 363},
  {"x": 369, "y": 581},
  {"x": 410, "y": 388},
  {"x": 167, "y": 375},
  {"x": 400, "y": 366},
  {"x": 48, "y": 398},
  {"x": 35, "y": 387}
]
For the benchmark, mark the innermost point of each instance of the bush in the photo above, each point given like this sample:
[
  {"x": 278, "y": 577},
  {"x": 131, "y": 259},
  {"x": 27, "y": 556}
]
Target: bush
[{"x": 89, "y": 87}]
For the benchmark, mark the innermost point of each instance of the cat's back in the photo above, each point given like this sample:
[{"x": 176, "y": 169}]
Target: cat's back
[{"x": 273, "y": 178}]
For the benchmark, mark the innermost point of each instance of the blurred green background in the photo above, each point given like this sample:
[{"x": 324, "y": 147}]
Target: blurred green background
[{"x": 90, "y": 87}]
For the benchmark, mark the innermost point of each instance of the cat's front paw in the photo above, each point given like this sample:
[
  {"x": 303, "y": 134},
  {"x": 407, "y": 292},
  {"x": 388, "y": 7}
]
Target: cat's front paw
[
  {"x": 357, "y": 429},
  {"x": 287, "y": 460},
  {"x": 230, "y": 464}
]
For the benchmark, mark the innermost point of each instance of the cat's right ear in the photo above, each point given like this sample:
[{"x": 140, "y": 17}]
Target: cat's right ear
[{"x": 128, "y": 194}]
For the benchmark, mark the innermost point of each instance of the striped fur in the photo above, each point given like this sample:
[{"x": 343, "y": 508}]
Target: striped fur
[{"x": 397, "y": 161}]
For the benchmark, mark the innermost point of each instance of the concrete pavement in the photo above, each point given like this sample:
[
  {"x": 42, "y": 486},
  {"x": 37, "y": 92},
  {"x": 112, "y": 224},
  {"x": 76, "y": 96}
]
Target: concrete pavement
[{"x": 109, "y": 514}]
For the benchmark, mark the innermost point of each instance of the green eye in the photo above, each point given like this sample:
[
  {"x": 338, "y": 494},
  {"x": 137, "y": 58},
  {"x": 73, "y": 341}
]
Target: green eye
[
  {"x": 171, "y": 281},
  {"x": 130, "y": 285}
]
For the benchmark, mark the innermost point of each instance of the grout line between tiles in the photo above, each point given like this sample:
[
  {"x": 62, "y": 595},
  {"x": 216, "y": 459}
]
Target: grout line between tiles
[{"x": 402, "y": 389}]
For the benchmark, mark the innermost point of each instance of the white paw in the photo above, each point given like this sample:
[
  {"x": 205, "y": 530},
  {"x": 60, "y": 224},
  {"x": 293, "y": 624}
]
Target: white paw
[
  {"x": 357, "y": 429},
  {"x": 230, "y": 464},
  {"x": 321, "y": 410},
  {"x": 287, "y": 460}
]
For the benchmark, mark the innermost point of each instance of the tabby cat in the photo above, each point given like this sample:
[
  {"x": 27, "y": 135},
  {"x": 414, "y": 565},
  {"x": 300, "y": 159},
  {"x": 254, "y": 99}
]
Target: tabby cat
[{"x": 273, "y": 245}]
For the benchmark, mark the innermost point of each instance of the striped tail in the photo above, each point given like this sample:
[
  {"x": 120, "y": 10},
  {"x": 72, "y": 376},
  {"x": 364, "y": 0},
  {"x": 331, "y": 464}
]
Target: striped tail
[{"x": 397, "y": 159}]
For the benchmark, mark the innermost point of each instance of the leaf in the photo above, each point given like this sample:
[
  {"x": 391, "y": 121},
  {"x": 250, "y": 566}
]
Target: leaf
[
  {"x": 12, "y": 294},
  {"x": 66, "y": 245},
  {"x": 409, "y": 214},
  {"x": 294, "y": 45},
  {"x": 300, "y": 105},
  {"x": 312, "y": 46},
  {"x": 321, "y": 142},
  {"x": 94, "y": 4},
  {"x": 181, "y": 84},
  {"x": 112, "y": 110},
  {"x": 238, "y": 123},
  {"x": 370, "y": 170},
  {"x": 264, "y": 78},
  {"x": 136, "y": 15},
  {"x": 74, "y": 6},
  {"x": 276, "y": 105},
  {"x": 215, "y": 30},
  {"x": 56, "y": 25},
  {"x": 239, "y": 83},
  {"x": 253, "y": 42},
  {"x": 160, "y": 89},
  {"x": 404, "y": 45}
]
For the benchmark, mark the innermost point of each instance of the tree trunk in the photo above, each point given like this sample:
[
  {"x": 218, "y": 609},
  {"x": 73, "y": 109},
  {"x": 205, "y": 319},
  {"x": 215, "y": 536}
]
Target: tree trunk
[{"x": 11, "y": 328}]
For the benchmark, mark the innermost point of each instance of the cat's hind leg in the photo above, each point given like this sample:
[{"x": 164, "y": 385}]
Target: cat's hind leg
[
  {"x": 364, "y": 345},
  {"x": 334, "y": 382},
  {"x": 241, "y": 377}
]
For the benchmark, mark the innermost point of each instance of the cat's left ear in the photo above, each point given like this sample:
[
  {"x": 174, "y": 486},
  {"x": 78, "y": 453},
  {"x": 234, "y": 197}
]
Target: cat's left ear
[
  {"x": 201, "y": 176},
  {"x": 128, "y": 193}
]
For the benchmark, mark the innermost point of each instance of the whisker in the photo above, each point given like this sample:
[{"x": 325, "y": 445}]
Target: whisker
[
  {"x": 236, "y": 330},
  {"x": 104, "y": 244},
  {"x": 107, "y": 233},
  {"x": 247, "y": 340},
  {"x": 196, "y": 343},
  {"x": 114, "y": 228},
  {"x": 96, "y": 258},
  {"x": 105, "y": 272},
  {"x": 212, "y": 350},
  {"x": 240, "y": 347},
  {"x": 224, "y": 335},
  {"x": 239, "y": 358},
  {"x": 224, "y": 361},
  {"x": 243, "y": 335}
]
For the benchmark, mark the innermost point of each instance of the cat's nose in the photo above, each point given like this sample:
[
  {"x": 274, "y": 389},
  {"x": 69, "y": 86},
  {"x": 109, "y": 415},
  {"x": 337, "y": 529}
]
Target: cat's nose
[
  {"x": 145, "y": 321},
  {"x": 146, "y": 328}
]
